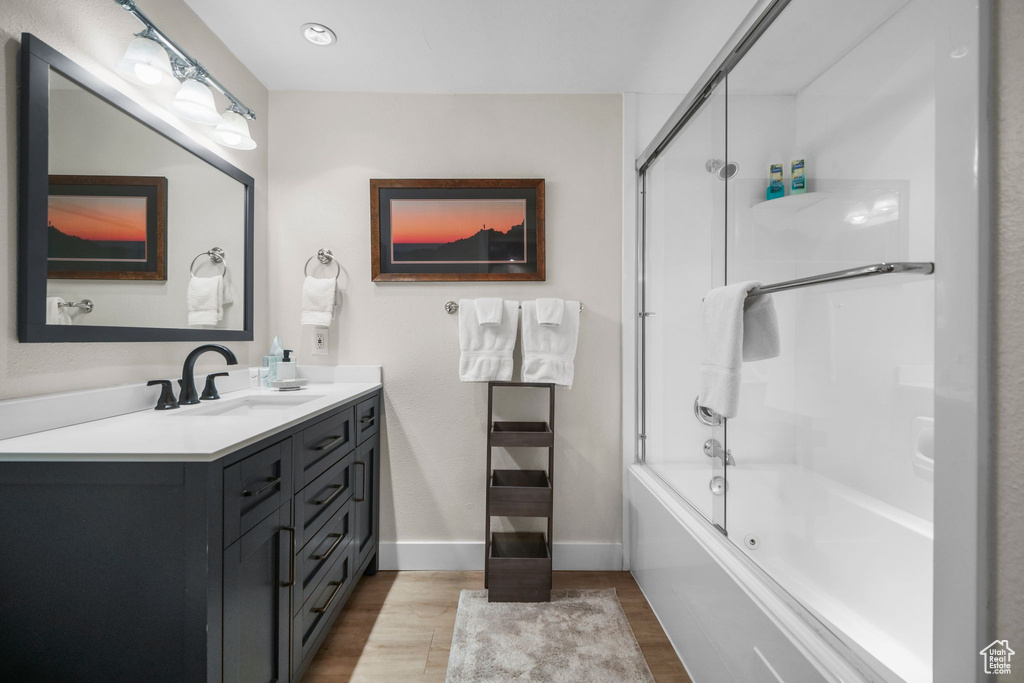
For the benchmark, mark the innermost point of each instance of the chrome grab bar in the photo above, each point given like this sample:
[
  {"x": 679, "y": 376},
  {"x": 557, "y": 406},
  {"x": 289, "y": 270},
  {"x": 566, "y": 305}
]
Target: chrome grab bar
[{"x": 922, "y": 267}]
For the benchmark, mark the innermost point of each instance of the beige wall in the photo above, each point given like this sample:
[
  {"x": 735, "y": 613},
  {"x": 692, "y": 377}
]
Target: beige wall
[
  {"x": 1009, "y": 250},
  {"x": 325, "y": 148},
  {"x": 94, "y": 34}
]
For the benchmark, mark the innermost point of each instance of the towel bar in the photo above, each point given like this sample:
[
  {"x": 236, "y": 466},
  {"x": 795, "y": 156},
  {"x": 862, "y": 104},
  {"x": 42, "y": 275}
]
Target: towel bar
[
  {"x": 923, "y": 267},
  {"x": 85, "y": 305},
  {"x": 453, "y": 307}
]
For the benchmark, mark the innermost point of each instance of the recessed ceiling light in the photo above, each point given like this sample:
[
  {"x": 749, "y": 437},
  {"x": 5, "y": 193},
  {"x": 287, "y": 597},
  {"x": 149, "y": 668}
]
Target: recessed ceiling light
[{"x": 318, "y": 34}]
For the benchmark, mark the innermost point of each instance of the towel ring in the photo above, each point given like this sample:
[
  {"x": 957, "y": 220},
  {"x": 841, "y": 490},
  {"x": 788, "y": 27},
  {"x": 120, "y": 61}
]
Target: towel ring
[
  {"x": 216, "y": 255},
  {"x": 324, "y": 256}
]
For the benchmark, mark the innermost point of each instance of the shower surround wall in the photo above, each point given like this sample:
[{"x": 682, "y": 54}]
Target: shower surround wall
[
  {"x": 325, "y": 148},
  {"x": 94, "y": 33}
]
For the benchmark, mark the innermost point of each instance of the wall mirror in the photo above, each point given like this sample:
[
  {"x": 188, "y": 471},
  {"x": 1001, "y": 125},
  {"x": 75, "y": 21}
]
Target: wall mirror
[{"x": 129, "y": 230}]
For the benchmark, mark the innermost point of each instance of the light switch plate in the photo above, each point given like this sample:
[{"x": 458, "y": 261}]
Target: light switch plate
[{"x": 320, "y": 342}]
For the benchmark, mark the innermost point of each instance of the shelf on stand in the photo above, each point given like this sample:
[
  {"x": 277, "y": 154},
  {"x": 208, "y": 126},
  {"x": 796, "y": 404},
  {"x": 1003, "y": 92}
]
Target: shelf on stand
[
  {"x": 520, "y": 568},
  {"x": 520, "y": 493},
  {"x": 536, "y": 434}
]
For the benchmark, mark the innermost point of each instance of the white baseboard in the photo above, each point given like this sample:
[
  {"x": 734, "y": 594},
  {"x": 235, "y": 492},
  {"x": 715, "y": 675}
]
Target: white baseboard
[{"x": 469, "y": 555}]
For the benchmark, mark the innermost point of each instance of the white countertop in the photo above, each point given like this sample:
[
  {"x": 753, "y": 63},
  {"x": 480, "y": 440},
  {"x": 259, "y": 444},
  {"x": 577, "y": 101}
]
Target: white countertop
[{"x": 180, "y": 435}]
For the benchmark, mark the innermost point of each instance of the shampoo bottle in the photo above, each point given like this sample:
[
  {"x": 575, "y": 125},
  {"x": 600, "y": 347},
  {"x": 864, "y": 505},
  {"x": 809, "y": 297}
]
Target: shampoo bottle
[
  {"x": 776, "y": 188},
  {"x": 799, "y": 182}
]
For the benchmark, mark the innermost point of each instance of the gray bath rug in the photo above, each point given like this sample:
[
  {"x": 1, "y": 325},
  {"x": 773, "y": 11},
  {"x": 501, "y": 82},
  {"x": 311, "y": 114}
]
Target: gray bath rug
[{"x": 581, "y": 635}]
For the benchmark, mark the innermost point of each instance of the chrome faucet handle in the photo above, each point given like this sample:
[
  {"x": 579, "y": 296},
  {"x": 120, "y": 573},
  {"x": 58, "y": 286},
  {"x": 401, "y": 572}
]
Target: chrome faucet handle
[
  {"x": 166, "y": 400},
  {"x": 210, "y": 390}
]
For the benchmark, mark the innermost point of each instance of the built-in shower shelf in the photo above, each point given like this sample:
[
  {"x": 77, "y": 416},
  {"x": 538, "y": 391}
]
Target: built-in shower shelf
[
  {"x": 520, "y": 493},
  {"x": 536, "y": 434},
  {"x": 790, "y": 203}
]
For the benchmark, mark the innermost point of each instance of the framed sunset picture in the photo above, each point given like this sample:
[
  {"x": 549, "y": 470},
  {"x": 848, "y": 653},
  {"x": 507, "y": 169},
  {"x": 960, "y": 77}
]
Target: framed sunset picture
[
  {"x": 435, "y": 230},
  {"x": 107, "y": 227}
]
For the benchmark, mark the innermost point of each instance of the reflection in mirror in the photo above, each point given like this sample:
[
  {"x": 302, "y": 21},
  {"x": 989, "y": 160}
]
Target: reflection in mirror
[{"x": 133, "y": 220}]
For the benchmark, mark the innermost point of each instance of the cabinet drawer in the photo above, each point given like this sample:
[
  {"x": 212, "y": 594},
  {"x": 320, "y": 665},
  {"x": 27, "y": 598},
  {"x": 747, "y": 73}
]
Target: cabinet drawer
[
  {"x": 367, "y": 418},
  {"x": 255, "y": 487},
  {"x": 322, "y": 606},
  {"x": 317, "y": 556},
  {"x": 322, "y": 445},
  {"x": 322, "y": 499}
]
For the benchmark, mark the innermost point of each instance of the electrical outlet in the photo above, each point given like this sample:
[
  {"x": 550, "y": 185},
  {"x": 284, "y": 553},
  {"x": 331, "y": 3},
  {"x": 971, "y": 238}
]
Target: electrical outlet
[{"x": 320, "y": 342}]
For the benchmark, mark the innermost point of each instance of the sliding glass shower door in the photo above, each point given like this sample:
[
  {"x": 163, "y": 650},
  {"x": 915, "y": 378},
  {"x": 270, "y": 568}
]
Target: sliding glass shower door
[{"x": 683, "y": 255}]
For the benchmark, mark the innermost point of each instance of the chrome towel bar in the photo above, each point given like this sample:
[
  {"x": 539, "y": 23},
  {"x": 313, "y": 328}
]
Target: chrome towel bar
[
  {"x": 453, "y": 306},
  {"x": 85, "y": 305},
  {"x": 922, "y": 267}
]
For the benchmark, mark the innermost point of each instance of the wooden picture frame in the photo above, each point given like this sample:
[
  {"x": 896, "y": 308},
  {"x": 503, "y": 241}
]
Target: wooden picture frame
[
  {"x": 425, "y": 230},
  {"x": 137, "y": 207}
]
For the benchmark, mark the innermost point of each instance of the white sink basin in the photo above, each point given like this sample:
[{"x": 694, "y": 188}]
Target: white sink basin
[{"x": 249, "y": 406}]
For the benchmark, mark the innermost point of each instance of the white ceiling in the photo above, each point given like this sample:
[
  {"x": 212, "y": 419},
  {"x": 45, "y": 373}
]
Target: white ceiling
[{"x": 477, "y": 46}]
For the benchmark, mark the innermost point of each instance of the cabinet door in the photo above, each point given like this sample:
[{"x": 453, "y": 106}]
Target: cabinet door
[
  {"x": 366, "y": 471},
  {"x": 257, "y": 578}
]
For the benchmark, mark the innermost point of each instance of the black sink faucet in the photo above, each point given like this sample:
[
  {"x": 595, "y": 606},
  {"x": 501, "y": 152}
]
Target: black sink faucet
[{"x": 189, "y": 395}]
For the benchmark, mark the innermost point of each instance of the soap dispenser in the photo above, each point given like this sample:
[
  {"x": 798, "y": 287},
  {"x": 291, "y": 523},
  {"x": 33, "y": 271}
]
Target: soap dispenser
[{"x": 286, "y": 368}]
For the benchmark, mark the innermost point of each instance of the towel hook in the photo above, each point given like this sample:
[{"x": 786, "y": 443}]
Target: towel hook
[
  {"x": 216, "y": 255},
  {"x": 324, "y": 256}
]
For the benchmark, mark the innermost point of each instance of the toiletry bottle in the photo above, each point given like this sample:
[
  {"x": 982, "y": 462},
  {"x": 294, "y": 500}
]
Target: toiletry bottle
[
  {"x": 776, "y": 188},
  {"x": 799, "y": 181},
  {"x": 286, "y": 368}
]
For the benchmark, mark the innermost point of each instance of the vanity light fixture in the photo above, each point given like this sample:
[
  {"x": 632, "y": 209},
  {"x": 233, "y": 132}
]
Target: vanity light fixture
[
  {"x": 194, "y": 101},
  {"x": 318, "y": 34},
  {"x": 233, "y": 131},
  {"x": 145, "y": 62}
]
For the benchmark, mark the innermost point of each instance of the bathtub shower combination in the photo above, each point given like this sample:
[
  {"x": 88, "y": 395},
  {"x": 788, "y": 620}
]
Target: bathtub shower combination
[{"x": 824, "y": 479}]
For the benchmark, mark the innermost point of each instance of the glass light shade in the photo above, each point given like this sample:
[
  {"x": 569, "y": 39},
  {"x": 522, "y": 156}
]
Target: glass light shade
[
  {"x": 145, "y": 62},
  {"x": 194, "y": 102},
  {"x": 233, "y": 131}
]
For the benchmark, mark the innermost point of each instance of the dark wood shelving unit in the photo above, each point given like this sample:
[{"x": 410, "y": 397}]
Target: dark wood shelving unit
[{"x": 517, "y": 565}]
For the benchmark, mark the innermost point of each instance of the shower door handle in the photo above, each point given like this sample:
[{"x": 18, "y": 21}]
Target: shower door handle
[{"x": 705, "y": 416}]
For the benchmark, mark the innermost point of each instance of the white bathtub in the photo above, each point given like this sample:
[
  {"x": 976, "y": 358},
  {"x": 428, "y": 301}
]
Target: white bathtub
[{"x": 862, "y": 567}]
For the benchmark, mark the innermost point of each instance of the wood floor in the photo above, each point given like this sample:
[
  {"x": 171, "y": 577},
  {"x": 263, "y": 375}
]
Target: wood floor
[{"x": 397, "y": 626}]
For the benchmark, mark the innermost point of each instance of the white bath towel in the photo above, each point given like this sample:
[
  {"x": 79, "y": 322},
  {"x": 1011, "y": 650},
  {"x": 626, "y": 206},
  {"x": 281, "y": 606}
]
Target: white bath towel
[
  {"x": 205, "y": 300},
  {"x": 56, "y": 314},
  {"x": 318, "y": 298},
  {"x": 549, "y": 311},
  {"x": 549, "y": 351},
  {"x": 486, "y": 350},
  {"x": 735, "y": 330},
  {"x": 488, "y": 311}
]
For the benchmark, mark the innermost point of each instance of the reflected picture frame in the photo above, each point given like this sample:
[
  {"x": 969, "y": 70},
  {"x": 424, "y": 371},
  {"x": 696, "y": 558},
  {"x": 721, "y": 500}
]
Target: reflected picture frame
[{"x": 107, "y": 228}]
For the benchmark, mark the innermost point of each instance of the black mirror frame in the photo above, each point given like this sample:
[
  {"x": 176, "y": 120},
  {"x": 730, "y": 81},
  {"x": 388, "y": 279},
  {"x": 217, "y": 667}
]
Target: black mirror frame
[{"x": 36, "y": 60}]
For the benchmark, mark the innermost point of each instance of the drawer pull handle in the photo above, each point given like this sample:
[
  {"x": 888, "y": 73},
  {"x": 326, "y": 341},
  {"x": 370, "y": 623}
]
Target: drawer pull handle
[
  {"x": 291, "y": 558},
  {"x": 361, "y": 498},
  {"x": 334, "y": 546},
  {"x": 329, "y": 499},
  {"x": 367, "y": 420},
  {"x": 273, "y": 481},
  {"x": 337, "y": 589},
  {"x": 332, "y": 441}
]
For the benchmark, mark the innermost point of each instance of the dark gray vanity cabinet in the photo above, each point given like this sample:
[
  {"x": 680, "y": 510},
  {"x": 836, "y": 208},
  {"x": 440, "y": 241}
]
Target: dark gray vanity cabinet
[{"x": 230, "y": 571}]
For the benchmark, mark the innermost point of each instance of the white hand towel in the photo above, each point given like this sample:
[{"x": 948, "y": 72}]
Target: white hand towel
[
  {"x": 486, "y": 349},
  {"x": 488, "y": 311},
  {"x": 549, "y": 311},
  {"x": 549, "y": 351},
  {"x": 56, "y": 314},
  {"x": 733, "y": 332},
  {"x": 318, "y": 297},
  {"x": 204, "y": 301}
]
